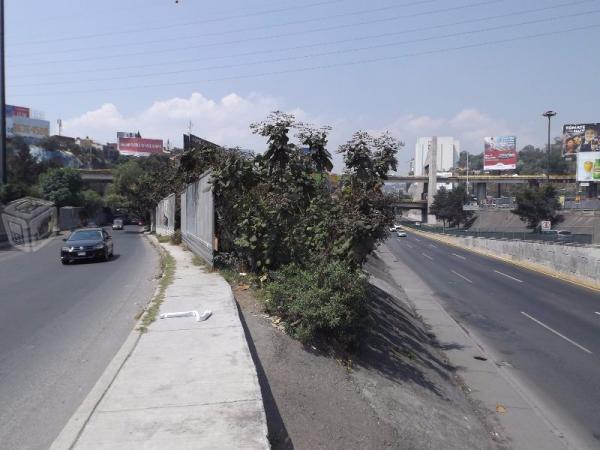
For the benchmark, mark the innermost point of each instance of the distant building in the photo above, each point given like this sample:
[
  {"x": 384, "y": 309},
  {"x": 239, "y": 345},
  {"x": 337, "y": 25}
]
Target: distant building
[
  {"x": 448, "y": 150},
  {"x": 111, "y": 151}
]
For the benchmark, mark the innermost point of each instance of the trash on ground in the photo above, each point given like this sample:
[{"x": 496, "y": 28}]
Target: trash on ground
[
  {"x": 199, "y": 317},
  {"x": 500, "y": 408}
]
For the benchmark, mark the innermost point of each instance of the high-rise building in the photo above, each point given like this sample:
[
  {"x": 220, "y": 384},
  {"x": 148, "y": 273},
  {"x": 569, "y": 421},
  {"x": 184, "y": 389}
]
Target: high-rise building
[{"x": 448, "y": 150}]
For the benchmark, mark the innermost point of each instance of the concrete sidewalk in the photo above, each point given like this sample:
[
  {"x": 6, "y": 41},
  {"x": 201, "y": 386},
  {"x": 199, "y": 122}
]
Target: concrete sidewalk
[{"x": 185, "y": 384}]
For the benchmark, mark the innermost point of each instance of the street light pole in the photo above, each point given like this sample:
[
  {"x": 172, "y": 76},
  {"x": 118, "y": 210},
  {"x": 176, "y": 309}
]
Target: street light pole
[
  {"x": 549, "y": 115},
  {"x": 3, "y": 173}
]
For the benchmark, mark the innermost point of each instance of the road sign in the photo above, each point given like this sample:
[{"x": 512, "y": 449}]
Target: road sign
[{"x": 546, "y": 225}]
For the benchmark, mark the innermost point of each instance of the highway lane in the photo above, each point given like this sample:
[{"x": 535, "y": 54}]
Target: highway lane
[
  {"x": 59, "y": 328},
  {"x": 548, "y": 330}
]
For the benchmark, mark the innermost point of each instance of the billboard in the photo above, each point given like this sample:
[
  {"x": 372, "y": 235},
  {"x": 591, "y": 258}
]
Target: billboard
[
  {"x": 583, "y": 137},
  {"x": 500, "y": 153},
  {"x": 140, "y": 146},
  {"x": 26, "y": 127},
  {"x": 191, "y": 141},
  {"x": 18, "y": 111},
  {"x": 127, "y": 134},
  {"x": 588, "y": 166}
]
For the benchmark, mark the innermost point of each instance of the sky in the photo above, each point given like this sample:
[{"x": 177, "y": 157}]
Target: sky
[{"x": 462, "y": 68}]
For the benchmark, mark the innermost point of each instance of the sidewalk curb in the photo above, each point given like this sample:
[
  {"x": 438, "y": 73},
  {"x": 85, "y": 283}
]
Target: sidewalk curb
[
  {"x": 71, "y": 432},
  {"x": 538, "y": 268}
]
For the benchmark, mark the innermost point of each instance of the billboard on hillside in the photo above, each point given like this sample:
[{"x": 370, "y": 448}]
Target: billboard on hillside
[
  {"x": 140, "y": 146},
  {"x": 500, "y": 153},
  {"x": 588, "y": 166},
  {"x": 26, "y": 127},
  {"x": 582, "y": 137}
]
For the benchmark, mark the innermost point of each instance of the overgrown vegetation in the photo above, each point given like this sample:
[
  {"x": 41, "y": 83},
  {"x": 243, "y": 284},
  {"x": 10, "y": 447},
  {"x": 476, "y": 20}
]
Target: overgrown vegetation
[
  {"x": 175, "y": 238},
  {"x": 326, "y": 300},
  {"x": 168, "y": 273}
]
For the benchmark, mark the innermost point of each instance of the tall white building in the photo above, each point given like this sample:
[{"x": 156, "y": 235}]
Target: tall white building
[{"x": 448, "y": 150}]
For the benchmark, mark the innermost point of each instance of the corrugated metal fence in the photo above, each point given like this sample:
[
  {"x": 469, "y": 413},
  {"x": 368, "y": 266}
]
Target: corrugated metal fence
[
  {"x": 198, "y": 217},
  {"x": 165, "y": 216}
]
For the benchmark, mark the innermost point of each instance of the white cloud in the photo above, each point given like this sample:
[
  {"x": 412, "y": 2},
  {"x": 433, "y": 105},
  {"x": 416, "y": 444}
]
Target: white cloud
[{"x": 225, "y": 121}]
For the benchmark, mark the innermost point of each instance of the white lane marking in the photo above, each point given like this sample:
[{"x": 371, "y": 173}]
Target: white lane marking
[
  {"x": 597, "y": 313},
  {"x": 557, "y": 333},
  {"x": 432, "y": 245},
  {"x": 508, "y": 276},
  {"x": 462, "y": 276},
  {"x": 417, "y": 239},
  {"x": 409, "y": 246},
  {"x": 458, "y": 256},
  {"x": 427, "y": 256}
]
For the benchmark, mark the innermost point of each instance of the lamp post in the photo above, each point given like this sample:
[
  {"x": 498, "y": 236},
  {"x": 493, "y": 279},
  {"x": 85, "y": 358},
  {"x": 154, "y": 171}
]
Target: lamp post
[
  {"x": 3, "y": 173},
  {"x": 549, "y": 115}
]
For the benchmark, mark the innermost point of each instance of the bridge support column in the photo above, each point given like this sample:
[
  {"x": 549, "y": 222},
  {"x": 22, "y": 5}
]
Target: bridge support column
[
  {"x": 432, "y": 185},
  {"x": 481, "y": 191}
]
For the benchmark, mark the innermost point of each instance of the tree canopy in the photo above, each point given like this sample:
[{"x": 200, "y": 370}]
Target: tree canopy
[
  {"x": 448, "y": 206},
  {"x": 535, "y": 204}
]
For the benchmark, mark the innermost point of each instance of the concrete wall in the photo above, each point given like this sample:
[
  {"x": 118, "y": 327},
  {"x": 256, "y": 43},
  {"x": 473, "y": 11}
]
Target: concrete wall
[
  {"x": 198, "y": 217},
  {"x": 575, "y": 263},
  {"x": 164, "y": 221}
]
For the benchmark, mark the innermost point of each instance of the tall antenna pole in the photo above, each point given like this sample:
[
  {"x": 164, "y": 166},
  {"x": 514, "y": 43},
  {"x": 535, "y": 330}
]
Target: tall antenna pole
[
  {"x": 190, "y": 128},
  {"x": 3, "y": 173}
]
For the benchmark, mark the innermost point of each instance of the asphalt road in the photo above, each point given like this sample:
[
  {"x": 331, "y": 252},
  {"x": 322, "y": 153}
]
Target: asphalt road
[
  {"x": 548, "y": 330},
  {"x": 59, "y": 328}
]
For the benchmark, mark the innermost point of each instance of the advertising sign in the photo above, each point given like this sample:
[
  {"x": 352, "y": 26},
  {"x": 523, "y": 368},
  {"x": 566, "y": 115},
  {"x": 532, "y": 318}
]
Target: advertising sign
[
  {"x": 588, "y": 166},
  {"x": 500, "y": 153},
  {"x": 19, "y": 111},
  {"x": 26, "y": 127},
  {"x": 191, "y": 141},
  {"x": 126, "y": 134},
  {"x": 140, "y": 146},
  {"x": 584, "y": 137}
]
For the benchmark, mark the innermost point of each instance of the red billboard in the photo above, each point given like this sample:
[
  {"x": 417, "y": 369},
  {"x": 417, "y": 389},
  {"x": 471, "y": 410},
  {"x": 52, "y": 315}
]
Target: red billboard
[
  {"x": 16, "y": 111},
  {"x": 140, "y": 146},
  {"x": 500, "y": 153}
]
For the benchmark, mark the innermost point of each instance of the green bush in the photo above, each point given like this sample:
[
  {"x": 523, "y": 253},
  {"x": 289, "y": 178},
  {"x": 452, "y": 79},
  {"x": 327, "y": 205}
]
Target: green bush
[
  {"x": 176, "y": 237},
  {"x": 320, "y": 300}
]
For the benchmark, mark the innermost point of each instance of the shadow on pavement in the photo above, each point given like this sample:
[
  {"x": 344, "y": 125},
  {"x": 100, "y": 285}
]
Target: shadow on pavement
[
  {"x": 397, "y": 344},
  {"x": 278, "y": 434}
]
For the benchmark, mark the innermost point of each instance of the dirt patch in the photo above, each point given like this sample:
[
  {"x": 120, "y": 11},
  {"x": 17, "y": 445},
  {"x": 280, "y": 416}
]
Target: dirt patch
[{"x": 398, "y": 391}]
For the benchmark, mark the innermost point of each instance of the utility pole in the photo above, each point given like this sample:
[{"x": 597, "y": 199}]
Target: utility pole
[
  {"x": 3, "y": 172},
  {"x": 59, "y": 122},
  {"x": 549, "y": 115},
  {"x": 468, "y": 176}
]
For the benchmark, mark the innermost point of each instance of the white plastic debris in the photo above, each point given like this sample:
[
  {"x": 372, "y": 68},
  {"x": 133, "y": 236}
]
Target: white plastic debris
[{"x": 199, "y": 317}]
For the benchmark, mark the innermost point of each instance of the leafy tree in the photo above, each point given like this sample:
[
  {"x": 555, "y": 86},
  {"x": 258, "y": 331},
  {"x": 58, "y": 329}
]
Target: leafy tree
[
  {"x": 448, "y": 206},
  {"x": 475, "y": 161},
  {"x": 61, "y": 186},
  {"x": 276, "y": 129},
  {"x": 535, "y": 204},
  {"x": 316, "y": 141},
  {"x": 534, "y": 161},
  {"x": 92, "y": 203}
]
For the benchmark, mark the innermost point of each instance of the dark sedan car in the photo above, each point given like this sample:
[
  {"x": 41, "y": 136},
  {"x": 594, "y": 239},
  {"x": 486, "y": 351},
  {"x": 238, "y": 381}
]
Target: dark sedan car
[{"x": 87, "y": 244}]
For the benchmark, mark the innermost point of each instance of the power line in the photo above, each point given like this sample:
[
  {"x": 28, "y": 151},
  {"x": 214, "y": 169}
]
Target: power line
[
  {"x": 240, "y": 30},
  {"x": 318, "y": 44},
  {"x": 316, "y": 55},
  {"x": 263, "y": 38},
  {"x": 320, "y": 67},
  {"x": 176, "y": 25}
]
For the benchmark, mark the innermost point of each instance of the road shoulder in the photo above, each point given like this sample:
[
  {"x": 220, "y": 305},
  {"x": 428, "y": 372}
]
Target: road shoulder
[{"x": 517, "y": 418}]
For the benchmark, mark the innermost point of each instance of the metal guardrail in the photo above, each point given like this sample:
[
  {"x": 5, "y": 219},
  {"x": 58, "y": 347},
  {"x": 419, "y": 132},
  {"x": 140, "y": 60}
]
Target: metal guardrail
[{"x": 582, "y": 239}]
